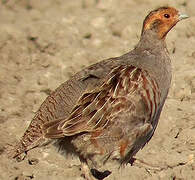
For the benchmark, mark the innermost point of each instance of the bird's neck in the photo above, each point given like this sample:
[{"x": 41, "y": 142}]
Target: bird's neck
[{"x": 150, "y": 41}]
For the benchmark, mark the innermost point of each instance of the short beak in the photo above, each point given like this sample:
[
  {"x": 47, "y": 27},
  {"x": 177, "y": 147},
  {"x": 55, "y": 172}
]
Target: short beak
[{"x": 183, "y": 16}]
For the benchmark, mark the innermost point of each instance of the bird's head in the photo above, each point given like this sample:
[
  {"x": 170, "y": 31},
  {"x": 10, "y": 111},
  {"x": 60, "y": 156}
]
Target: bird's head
[{"x": 162, "y": 20}]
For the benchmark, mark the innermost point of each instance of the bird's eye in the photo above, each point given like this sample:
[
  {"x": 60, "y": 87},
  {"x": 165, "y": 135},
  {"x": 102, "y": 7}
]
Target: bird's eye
[{"x": 166, "y": 15}]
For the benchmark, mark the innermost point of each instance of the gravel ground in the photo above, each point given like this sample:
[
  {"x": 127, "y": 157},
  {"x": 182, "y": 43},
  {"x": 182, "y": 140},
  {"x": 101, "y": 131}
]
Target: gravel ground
[{"x": 42, "y": 43}]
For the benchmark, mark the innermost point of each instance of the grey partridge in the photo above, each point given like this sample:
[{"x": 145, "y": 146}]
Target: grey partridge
[{"x": 109, "y": 110}]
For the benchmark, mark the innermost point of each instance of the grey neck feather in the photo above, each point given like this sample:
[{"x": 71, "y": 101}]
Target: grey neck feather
[{"x": 150, "y": 41}]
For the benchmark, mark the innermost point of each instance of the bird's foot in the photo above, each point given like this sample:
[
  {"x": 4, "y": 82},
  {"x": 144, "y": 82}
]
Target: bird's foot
[
  {"x": 86, "y": 174},
  {"x": 100, "y": 175},
  {"x": 141, "y": 163}
]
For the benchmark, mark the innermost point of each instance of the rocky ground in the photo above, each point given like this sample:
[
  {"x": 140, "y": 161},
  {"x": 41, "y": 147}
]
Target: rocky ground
[{"x": 42, "y": 43}]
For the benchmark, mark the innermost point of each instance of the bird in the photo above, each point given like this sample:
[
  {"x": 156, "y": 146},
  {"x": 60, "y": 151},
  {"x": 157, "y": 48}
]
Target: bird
[{"x": 109, "y": 110}]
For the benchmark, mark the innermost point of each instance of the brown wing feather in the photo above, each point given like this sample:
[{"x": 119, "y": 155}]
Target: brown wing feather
[{"x": 94, "y": 107}]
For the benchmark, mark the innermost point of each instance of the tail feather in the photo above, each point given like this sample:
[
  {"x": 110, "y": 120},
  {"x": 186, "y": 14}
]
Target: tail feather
[
  {"x": 15, "y": 150},
  {"x": 32, "y": 138}
]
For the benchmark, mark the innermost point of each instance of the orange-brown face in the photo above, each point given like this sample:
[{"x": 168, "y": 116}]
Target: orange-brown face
[{"x": 161, "y": 20}]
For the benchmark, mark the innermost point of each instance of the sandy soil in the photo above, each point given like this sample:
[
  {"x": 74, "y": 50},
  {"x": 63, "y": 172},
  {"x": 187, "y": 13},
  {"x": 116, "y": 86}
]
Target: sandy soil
[{"x": 42, "y": 43}]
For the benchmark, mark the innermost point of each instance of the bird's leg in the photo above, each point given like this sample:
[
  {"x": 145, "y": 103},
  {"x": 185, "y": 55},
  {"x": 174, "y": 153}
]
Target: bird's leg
[{"x": 86, "y": 173}]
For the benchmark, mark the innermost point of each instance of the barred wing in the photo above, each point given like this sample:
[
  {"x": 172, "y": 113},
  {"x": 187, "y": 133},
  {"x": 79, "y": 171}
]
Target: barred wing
[{"x": 95, "y": 108}]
